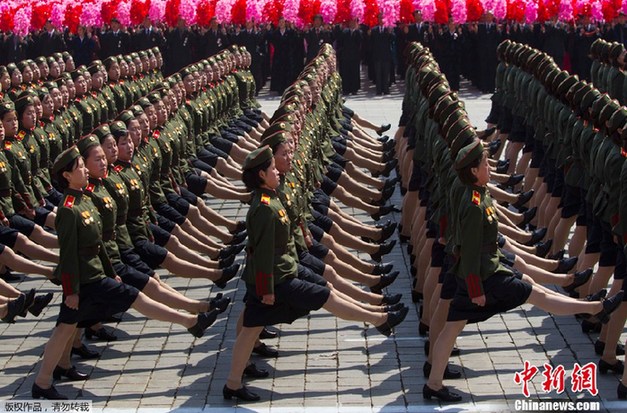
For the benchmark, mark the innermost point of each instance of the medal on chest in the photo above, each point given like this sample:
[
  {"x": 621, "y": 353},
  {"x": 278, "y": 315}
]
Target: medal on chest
[{"x": 87, "y": 218}]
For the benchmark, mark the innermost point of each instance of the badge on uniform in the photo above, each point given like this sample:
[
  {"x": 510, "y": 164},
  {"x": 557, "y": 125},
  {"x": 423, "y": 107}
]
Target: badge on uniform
[
  {"x": 623, "y": 152},
  {"x": 7, "y": 145},
  {"x": 476, "y": 197},
  {"x": 87, "y": 218},
  {"x": 90, "y": 187},
  {"x": 265, "y": 199},
  {"x": 108, "y": 203},
  {"x": 3, "y": 167},
  {"x": 69, "y": 201},
  {"x": 134, "y": 184}
]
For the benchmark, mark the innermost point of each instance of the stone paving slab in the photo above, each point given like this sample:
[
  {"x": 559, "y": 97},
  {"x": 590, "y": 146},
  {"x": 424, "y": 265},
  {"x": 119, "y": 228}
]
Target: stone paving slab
[{"x": 326, "y": 364}]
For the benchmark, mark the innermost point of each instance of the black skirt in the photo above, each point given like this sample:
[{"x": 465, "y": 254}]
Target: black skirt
[
  {"x": 503, "y": 291},
  {"x": 98, "y": 301},
  {"x": 294, "y": 298}
]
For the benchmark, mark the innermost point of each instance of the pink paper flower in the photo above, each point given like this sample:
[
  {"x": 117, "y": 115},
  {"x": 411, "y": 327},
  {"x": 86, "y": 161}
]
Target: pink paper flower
[
  {"x": 358, "y": 7},
  {"x": 391, "y": 12},
  {"x": 566, "y": 11},
  {"x": 531, "y": 11},
  {"x": 91, "y": 14},
  {"x": 290, "y": 11},
  {"x": 500, "y": 9},
  {"x": 21, "y": 19},
  {"x": 223, "y": 10},
  {"x": 458, "y": 11},
  {"x": 187, "y": 10},
  {"x": 157, "y": 10},
  {"x": 57, "y": 14},
  {"x": 597, "y": 10},
  {"x": 124, "y": 12},
  {"x": 328, "y": 9},
  {"x": 427, "y": 7}
]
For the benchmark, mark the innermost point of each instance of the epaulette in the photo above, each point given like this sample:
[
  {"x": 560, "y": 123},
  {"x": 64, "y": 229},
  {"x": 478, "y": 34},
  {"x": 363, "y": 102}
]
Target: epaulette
[
  {"x": 623, "y": 152},
  {"x": 118, "y": 168},
  {"x": 156, "y": 134},
  {"x": 7, "y": 145},
  {"x": 21, "y": 134},
  {"x": 90, "y": 187},
  {"x": 69, "y": 201},
  {"x": 265, "y": 199},
  {"x": 476, "y": 197}
]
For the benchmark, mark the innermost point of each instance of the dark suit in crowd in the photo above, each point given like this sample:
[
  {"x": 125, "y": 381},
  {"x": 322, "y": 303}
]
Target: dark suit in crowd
[
  {"x": 147, "y": 38},
  {"x": 178, "y": 50},
  {"x": 114, "y": 43},
  {"x": 316, "y": 37},
  {"x": 381, "y": 43},
  {"x": 82, "y": 50},
  {"x": 349, "y": 56}
]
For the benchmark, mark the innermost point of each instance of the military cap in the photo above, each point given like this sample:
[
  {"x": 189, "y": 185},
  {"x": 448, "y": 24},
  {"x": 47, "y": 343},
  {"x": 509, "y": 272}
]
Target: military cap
[
  {"x": 589, "y": 98},
  {"x": 12, "y": 67},
  {"x": 156, "y": 50},
  {"x": 94, "y": 68},
  {"x": 618, "y": 119},
  {"x": 153, "y": 98},
  {"x": 500, "y": 49},
  {"x": 276, "y": 126},
  {"x": 186, "y": 72},
  {"x": 599, "y": 105},
  {"x": 65, "y": 158},
  {"x": 127, "y": 58},
  {"x": 595, "y": 48},
  {"x": 273, "y": 140},
  {"x": 22, "y": 65},
  {"x": 65, "y": 55},
  {"x": 615, "y": 49},
  {"x": 211, "y": 60},
  {"x": 102, "y": 131},
  {"x": 554, "y": 81},
  {"x": 76, "y": 74},
  {"x": 436, "y": 92},
  {"x": 109, "y": 61},
  {"x": 258, "y": 157},
  {"x": 465, "y": 137},
  {"x": 6, "y": 107},
  {"x": 607, "y": 111},
  {"x": 574, "y": 89},
  {"x": 50, "y": 60},
  {"x": 172, "y": 81},
  {"x": 87, "y": 142},
  {"x": 118, "y": 128},
  {"x": 41, "y": 92},
  {"x": 566, "y": 84},
  {"x": 455, "y": 125},
  {"x": 57, "y": 55},
  {"x": 3, "y": 70},
  {"x": 143, "y": 103},
  {"x": 142, "y": 53},
  {"x": 580, "y": 93},
  {"x": 51, "y": 84},
  {"x": 40, "y": 60},
  {"x": 443, "y": 112},
  {"x": 65, "y": 76},
  {"x": 469, "y": 154},
  {"x": 138, "y": 110},
  {"x": 24, "y": 99}
]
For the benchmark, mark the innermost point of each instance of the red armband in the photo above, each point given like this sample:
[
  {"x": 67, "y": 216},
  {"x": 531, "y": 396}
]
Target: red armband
[
  {"x": 262, "y": 283},
  {"x": 473, "y": 282}
]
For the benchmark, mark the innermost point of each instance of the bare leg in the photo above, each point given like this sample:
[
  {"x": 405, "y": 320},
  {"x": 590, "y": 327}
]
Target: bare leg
[{"x": 35, "y": 251}]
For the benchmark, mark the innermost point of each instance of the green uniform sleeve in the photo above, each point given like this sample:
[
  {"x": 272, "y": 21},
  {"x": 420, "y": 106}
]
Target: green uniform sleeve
[
  {"x": 263, "y": 250},
  {"x": 470, "y": 260},
  {"x": 68, "y": 269}
]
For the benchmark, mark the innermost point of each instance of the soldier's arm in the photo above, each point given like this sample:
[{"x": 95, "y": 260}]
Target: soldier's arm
[
  {"x": 263, "y": 250},
  {"x": 471, "y": 238},
  {"x": 67, "y": 229}
]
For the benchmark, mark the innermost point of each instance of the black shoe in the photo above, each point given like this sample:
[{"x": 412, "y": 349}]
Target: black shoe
[
  {"x": 514, "y": 179},
  {"x": 226, "y": 262},
  {"x": 443, "y": 395},
  {"x": 609, "y": 306},
  {"x": 382, "y": 268},
  {"x": 384, "y": 224},
  {"x": 14, "y": 308},
  {"x": 265, "y": 351},
  {"x": 523, "y": 199},
  {"x": 203, "y": 323},
  {"x": 8, "y": 276},
  {"x": 384, "y": 210},
  {"x": 388, "y": 156},
  {"x": 41, "y": 302},
  {"x": 494, "y": 146},
  {"x": 566, "y": 264},
  {"x": 599, "y": 348},
  {"x": 255, "y": 373},
  {"x": 384, "y": 249},
  {"x": 413, "y": 271},
  {"x": 543, "y": 248},
  {"x": 101, "y": 334},
  {"x": 416, "y": 296},
  {"x": 580, "y": 279},
  {"x": 268, "y": 334},
  {"x": 537, "y": 236},
  {"x": 528, "y": 215},
  {"x": 389, "y": 145},
  {"x": 598, "y": 296},
  {"x": 72, "y": 374},
  {"x": 85, "y": 353},
  {"x": 29, "y": 299},
  {"x": 423, "y": 329},
  {"x": 243, "y": 394},
  {"x": 588, "y": 327},
  {"x": 391, "y": 298},
  {"x": 220, "y": 303},
  {"x": 617, "y": 367},
  {"x": 502, "y": 167},
  {"x": 449, "y": 374},
  {"x": 391, "y": 182},
  {"x": 241, "y": 226},
  {"x": 227, "y": 274},
  {"x": 394, "y": 319},
  {"x": 394, "y": 307},
  {"x": 389, "y": 167},
  {"x": 384, "y": 281},
  {"x": 455, "y": 352},
  {"x": 621, "y": 391},
  {"x": 383, "y": 139},
  {"x": 238, "y": 238},
  {"x": 557, "y": 256},
  {"x": 49, "y": 394},
  {"x": 486, "y": 133},
  {"x": 232, "y": 249},
  {"x": 385, "y": 195},
  {"x": 383, "y": 129}
]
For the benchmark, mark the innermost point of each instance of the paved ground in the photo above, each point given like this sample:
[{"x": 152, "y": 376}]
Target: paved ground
[{"x": 326, "y": 364}]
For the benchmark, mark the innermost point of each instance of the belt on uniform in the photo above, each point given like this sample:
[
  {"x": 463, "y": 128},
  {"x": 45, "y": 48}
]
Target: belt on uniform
[
  {"x": 108, "y": 235},
  {"x": 489, "y": 248},
  {"x": 277, "y": 251},
  {"x": 89, "y": 251}
]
